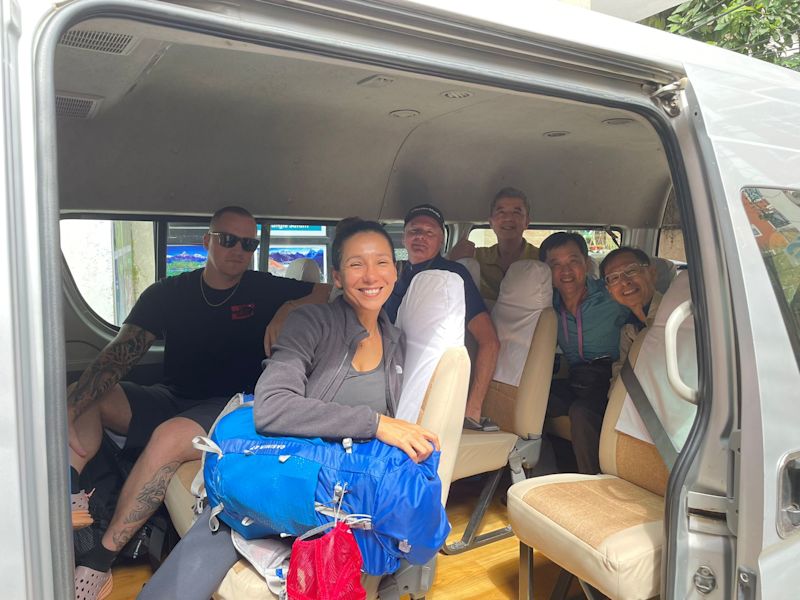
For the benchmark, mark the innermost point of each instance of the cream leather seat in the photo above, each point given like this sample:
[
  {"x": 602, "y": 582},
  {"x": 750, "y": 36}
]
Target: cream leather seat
[
  {"x": 304, "y": 269},
  {"x": 436, "y": 356},
  {"x": 607, "y": 529},
  {"x": 517, "y": 398}
]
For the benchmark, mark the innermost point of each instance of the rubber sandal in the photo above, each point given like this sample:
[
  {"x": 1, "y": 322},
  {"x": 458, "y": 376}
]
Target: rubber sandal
[
  {"x": 91, "y": 584},
  {"x": 81, "y": 517}
]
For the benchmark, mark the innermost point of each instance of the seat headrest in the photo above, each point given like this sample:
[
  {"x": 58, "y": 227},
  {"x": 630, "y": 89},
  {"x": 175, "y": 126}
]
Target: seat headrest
[
  {"x": 665, "y": 272},
  {"x": 677, "y": 293},
  {"x": 432, "y": 317},
  {"x": 527, "y": 284},
  {"x": 474, "y": 268},
  {"x": 525, "y": 291},
  {"x": 304, "y": 269},
  {"x": 675, "y": 413}
]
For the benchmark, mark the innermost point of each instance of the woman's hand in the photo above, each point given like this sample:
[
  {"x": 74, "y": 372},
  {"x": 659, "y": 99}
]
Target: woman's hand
[{"x": 412, "y": 439}]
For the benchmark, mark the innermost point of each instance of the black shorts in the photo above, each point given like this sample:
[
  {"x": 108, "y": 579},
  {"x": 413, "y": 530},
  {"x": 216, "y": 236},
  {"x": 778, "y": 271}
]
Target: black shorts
[{"x": 151, "y": 405}]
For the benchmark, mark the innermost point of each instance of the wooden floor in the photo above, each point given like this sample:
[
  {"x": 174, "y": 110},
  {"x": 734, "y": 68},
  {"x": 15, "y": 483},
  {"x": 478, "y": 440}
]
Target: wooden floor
[{"x": 484, "y": 573}]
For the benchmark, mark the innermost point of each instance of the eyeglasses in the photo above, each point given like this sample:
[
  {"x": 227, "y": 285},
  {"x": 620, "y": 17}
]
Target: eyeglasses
[
  {"x": 629, "y": 272},
  {"x": 228, "y": 240},
  {"x": 424, "y": 233}
]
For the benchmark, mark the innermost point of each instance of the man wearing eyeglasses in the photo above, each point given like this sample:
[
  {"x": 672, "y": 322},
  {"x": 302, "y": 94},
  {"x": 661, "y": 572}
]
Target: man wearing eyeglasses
[
  {"x": 631, "y": 281},
  {"x": 213, "y": 323},
  {"x": 423, "y": 237}
]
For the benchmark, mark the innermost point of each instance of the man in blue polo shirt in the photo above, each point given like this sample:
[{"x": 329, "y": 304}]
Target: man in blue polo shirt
[
  {"x": 423, "y": 237},
  {"x": 588, "y": 334}
]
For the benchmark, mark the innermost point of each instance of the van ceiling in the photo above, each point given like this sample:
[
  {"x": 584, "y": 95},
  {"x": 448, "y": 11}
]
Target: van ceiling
[{"x": 169, "y": 121}]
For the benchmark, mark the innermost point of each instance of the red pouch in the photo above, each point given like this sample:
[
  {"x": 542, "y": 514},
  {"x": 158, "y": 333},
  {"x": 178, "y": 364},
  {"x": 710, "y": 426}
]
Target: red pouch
[{"x": 326, "y": 568}]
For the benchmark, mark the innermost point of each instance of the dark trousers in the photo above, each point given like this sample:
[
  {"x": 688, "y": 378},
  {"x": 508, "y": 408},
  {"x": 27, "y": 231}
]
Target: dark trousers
[{"x": 583, "y": 396}]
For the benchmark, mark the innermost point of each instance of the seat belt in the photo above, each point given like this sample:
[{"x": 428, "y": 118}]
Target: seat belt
[{"x": 651, "y": 421}]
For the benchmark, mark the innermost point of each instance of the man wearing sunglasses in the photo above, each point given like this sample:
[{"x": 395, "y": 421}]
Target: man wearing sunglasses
[
  {"x": 631, "y": 281},
  {"x": 213, "y": 322}
]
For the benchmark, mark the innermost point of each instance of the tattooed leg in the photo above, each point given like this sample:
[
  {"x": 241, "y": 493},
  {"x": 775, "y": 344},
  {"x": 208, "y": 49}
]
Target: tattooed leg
[{"x": 144, "y": 490}]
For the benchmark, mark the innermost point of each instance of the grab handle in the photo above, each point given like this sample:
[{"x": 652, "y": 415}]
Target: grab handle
[{"x": 674, "y": 321}]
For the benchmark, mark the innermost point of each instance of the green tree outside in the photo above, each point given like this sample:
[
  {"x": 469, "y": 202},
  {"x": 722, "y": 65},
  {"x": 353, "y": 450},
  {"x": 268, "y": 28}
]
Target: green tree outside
[{"x": 764, "y": 29}]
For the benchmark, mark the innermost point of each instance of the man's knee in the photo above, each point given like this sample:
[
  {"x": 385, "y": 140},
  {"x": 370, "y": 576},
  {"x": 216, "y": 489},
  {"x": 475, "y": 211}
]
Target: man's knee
[{"x": 172, "y": 440}]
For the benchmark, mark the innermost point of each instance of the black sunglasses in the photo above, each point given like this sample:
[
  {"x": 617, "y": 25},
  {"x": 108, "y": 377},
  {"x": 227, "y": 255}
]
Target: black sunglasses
[{"x": 228, "y": 240}]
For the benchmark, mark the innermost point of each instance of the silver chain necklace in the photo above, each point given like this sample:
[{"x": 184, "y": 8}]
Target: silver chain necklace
[{"x": 203, "y": 292}]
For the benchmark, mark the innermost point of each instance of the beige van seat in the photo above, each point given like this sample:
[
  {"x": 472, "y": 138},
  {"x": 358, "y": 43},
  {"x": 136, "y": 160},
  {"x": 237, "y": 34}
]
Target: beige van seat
[
  {"x": 442, "y": 409},
  {"x": 607, "y": 529},
  {"x": 517, "y": 398},
  {"x": 474, "y": 268},
  {"x": 304, "y": 269}
]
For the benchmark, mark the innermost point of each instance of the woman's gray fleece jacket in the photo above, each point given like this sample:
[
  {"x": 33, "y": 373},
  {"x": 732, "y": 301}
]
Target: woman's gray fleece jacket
[{"x": 309, "y": 362}]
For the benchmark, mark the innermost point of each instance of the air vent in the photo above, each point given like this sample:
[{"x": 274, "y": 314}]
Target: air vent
[
  {"x": 98, "y": 41},
  {"x": 76, "y": 107},
  {"x": 457, "y": 94}
]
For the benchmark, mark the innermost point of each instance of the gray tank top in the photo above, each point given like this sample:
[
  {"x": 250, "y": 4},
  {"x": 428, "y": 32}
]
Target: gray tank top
[{"x": 364, "y": 388}]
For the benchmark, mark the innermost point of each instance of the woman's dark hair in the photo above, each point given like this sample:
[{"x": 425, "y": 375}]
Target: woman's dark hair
[
  {"x": 562, "y": 238},
  {"x": 640, "y": 255},
  {"x": 349, "y": 230}
]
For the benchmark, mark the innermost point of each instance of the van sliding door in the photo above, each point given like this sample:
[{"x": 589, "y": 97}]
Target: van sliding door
[{"x": 752, "y": 122}]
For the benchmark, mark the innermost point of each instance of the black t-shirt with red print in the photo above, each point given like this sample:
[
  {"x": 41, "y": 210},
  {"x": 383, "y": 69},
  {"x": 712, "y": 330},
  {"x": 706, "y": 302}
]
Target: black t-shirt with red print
[{"x": 213, "y": 350}]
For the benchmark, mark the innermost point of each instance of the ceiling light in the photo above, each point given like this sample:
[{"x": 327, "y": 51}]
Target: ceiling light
[
  {"x": 405, "y": 113},
  {"x": 555, "y": 134},
  {"x": 618, "y": 121},
  {"x": 456, "y": 94}
]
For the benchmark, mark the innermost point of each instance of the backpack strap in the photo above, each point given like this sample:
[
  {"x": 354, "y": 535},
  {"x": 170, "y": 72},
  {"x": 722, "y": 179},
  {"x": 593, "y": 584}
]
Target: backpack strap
[{"x": 206, "y": 445}]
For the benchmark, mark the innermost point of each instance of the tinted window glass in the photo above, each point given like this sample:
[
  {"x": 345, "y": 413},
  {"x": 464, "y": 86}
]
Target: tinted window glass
[
  {"x": 775, "y": 222},
  {"x": 670, "y": 236},
  {"x": 112, "y": 262},
  {"x": 292, "y": 241}
]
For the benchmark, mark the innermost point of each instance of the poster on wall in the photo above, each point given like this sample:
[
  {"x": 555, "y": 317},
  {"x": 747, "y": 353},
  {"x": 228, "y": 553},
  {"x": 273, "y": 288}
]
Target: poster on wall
[
  {"x": 185, "y": 257},
  {"x": 280, "y": 255}
]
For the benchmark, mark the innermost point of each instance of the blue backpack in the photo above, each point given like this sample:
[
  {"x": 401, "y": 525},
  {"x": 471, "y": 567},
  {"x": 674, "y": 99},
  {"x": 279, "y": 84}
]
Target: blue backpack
[{"x": 262, "y": 486}]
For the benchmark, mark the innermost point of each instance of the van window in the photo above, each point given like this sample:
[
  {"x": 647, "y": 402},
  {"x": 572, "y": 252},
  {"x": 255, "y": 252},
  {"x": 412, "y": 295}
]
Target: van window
[
  {"x": 599, "y": 241},
  {"x": 111, "y": 262},
  {"x": 774, "y": 217},
  {"x": 670, "y": 236},
  {"x": 395, "y": 231},
  {"x": 290, "y": 241}
]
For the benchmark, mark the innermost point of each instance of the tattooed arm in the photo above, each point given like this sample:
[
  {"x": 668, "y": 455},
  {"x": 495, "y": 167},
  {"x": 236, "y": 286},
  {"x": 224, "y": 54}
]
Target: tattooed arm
[{"x": 111, "y": 365}]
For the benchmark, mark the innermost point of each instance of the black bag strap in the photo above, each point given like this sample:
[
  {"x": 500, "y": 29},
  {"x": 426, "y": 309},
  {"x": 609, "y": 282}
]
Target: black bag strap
[{"x": 651, "y": 421}]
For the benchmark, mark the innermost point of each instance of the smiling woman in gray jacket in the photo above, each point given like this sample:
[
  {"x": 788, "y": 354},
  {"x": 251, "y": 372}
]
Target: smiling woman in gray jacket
[{"x": 335, "y": 372}]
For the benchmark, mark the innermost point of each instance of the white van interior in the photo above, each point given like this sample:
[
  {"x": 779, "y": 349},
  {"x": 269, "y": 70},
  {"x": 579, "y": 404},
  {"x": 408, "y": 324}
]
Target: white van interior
[{"x": 163, "y": 112}]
